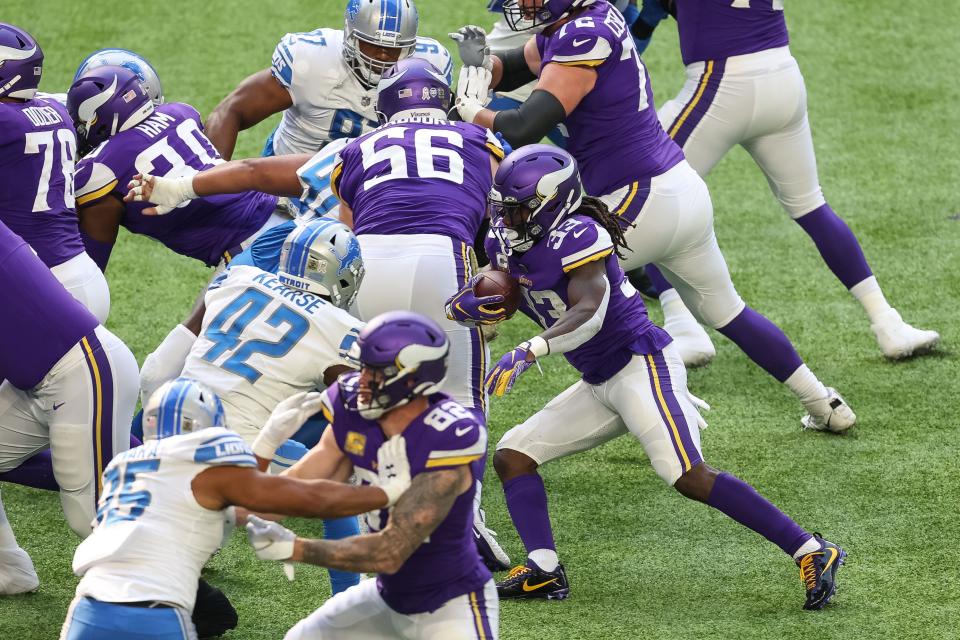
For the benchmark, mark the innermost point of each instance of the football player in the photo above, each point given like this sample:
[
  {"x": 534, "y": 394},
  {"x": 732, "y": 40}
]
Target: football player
[
  {"x": 591, "y": 78},
  {"x": 430, "y": 583},
  {"x": 744, "y": 87},
  {"x": 145, "y": 71},
  {"x": 325, "y": 81},
  {"x": 162, "y": 513},
  {"x": 38, "y": 149},
  {"x": 116, "y": 117},
  {"x": 66, "y": 383},
  {"x": 561, "y": 246}
]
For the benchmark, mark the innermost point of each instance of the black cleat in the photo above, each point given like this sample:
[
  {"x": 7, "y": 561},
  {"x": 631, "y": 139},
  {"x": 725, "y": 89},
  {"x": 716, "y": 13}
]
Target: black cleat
[
  {"x": 533, "y": 582},
  {"x": 818, "y": 571},
  {"x": 641, "y": 282}
]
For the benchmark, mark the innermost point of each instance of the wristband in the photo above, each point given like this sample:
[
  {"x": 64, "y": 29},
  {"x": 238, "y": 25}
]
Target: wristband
[{"x": 538, "y": 346}]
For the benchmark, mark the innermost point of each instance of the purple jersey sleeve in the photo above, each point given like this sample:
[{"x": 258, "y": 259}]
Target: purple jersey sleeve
[
  {"x": 453, "y": 438},
  {"x": 577, "y": 241},
  {"x": 584, "y": 42}
]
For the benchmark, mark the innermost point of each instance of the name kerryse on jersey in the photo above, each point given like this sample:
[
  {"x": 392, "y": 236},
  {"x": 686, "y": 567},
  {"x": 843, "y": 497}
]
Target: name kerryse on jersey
[
  {"x": 328, "y": 100},
  {"x": 444, "y": 436},
  {"x": 38, "y": 148},
  {"x": 719, "y": 29},
  {"x": 171, "y": 143},
  {"x": 614, "y": 132},
  {"x": 418, "y": 175},
  {"x": 542, "y": 274}
]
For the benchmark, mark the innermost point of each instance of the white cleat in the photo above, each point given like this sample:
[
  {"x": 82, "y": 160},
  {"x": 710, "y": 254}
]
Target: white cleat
[
  {"x": 17, "y": 574},
  {"x": 829, "y": 414},
  {"x": 899, "y": 340}
]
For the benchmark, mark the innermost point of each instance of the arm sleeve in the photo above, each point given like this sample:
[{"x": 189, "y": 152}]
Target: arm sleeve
[
  {"x": 516, "y": 73},
  {"x": 532, "y": 121},
  {"x": 590, "y": 328}
]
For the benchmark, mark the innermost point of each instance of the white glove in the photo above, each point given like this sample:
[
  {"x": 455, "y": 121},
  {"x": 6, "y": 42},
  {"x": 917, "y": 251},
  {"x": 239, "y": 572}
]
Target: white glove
[
  {"x": 271, "y": 541},
  {"x": 166, "y": 193},
  {"x": 393, "y": 468},
  {"x": 166, "y": 362},
  {"x": 286, "y": 420},
  {"x": 473, "y": 87},
  {"x": 472, "y": 42},
  {"x": 701, "y": 405}
]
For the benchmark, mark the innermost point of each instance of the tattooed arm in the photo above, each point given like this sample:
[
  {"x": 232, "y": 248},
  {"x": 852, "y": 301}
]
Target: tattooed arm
[{"x": 416, "y": 515}]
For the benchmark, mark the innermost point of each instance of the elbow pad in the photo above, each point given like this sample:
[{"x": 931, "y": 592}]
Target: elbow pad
[
  {"x": 516, "y": 72},
  {"x": 532, "y": 121}
]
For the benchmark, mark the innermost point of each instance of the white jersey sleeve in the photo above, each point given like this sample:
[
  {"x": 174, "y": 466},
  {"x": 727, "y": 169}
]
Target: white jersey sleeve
[
  {"x": 262, "y": 342},
  {"x": 437, "y": 55},
  {"x": 152, "y": 537}
]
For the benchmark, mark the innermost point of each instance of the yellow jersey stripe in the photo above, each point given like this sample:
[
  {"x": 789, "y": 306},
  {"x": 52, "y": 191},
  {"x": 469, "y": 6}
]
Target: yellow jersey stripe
[
  {"x": 98, "y": 395},
  {"x": 477, "y": 620},
  {"x": 451, "y": 461},
  {"x": 96, "y": 195},
  {"x": 581, "y": 63},
  {"x": 596, "y": 256},
  {"x": 227, "y": 256},
  {"x": 666, "y": 413},
  {"x": 327, "y": 414},
  {"x": 495, "y": 150},
  {"x": 696, "y": 98},
  {"x": 626, "y": 203},
  {"x": 335, "y": 180}
]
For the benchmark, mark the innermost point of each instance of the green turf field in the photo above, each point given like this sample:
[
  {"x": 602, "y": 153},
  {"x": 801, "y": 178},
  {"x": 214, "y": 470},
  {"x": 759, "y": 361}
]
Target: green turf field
[{"x": 643, "y": 562}]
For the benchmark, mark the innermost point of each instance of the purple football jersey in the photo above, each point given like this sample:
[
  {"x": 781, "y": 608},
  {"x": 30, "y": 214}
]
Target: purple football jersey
[
  {"x": 43, "y": 320},
  {"x": 38, "y": 148},
  {"x": 614, "y": 131},
  {"x": 444, "y": 436},
  {"x": 718, "y": 29},
  {"x": 171, "y": 143},
  {"x": 542, "y": 274},
  {"x": 418, "y": 175}
]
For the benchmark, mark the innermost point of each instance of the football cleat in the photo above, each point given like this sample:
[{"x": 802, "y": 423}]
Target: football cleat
[
  {"x": 818, "y": 571},
  {"x": 526, "y": 581},
  {"x": 17, "y": 574},
  {"x": 829, "y": 414},
  {"x": 899, "y": 340},
  {"x": 641, "y": 282},
  {"x": 490, "y": 550}
]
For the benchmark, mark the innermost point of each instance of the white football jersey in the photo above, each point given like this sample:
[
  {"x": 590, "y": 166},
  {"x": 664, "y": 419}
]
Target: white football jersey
[
  {"x": 262, "y": 342},
  {"x": 152, "y": 538},
  {"x": 328, "y": 100}
]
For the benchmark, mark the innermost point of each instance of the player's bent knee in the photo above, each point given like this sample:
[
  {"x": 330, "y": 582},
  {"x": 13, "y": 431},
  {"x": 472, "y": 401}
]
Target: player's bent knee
[
  {"x": 799, "y": 206},
  {"x": 79, "y": 510},
  {"x": 510, "y": 463},
  {"x": 696, "y": 483}
]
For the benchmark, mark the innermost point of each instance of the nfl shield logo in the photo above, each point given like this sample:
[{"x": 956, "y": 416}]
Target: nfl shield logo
[{"x": 365, "y": 101}]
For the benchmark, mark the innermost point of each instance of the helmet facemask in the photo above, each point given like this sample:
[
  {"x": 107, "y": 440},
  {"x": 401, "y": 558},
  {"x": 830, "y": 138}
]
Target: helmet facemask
[
  {"x": 369, "y": 68},
  {"x": 519, "y": 18}
]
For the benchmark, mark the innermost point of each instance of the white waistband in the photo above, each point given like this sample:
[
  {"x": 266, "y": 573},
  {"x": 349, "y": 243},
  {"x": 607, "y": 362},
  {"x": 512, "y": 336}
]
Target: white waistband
[
  {"x": 406, "y": 244},
  {"x": 748, "y": 62}
]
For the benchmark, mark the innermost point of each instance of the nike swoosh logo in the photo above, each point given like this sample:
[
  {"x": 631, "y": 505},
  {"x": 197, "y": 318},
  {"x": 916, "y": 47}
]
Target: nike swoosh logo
[
  {"x": 577, "y": 234},
  {"x": 533, "y": 587},
  {"x": 577, "y": 43},
  {"x": 833, "y": 556},
  {"x": 462, "y": 430},
  {"x": 57, "y": 406}
]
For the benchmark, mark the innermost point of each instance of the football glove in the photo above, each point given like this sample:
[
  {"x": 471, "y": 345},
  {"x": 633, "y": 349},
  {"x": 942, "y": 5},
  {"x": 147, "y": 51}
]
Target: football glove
[
  {"x": 286, "y": 420},
  {"x": 393, "y": 468},
  {"x": 271, "y": 541},
  {"x": 472, "y": 42},
  {"x": 473, "y": 88},
  {"x": 166, "y": 193},
  {"x": 464, "y": 307},
  {"x": 511, "y": 365}
]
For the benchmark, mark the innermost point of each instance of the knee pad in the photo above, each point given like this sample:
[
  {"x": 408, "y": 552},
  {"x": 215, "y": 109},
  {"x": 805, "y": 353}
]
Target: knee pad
[
  {"x": 798, "y": 206},
  {"x": 79, "y": 508}
]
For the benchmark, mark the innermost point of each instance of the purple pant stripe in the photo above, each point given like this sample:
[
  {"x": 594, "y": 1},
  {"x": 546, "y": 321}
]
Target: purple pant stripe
[
  {"x": 692, "y": 113},
  {"x": 481, "y": 621},
  {"x": 632, "y": 204},
  {"x": 101, "y": 380},
  {"x": 672, "y": 413},
  {"x": 461, "y": 254}
]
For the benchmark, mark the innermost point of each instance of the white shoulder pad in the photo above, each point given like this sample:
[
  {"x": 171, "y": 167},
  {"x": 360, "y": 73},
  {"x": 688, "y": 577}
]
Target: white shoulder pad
[
  {"x": 436, "y": 54},
  {"x": 307, "y": 57}
]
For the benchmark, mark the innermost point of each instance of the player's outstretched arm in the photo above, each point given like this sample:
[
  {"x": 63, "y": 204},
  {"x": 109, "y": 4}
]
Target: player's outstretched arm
[
  {"x": 254, "y": 100},
  {"x": 416, "y": 515}
]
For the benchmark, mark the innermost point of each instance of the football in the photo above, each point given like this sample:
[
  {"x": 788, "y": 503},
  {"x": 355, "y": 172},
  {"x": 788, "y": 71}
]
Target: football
[{"x": 499, "y": 283}]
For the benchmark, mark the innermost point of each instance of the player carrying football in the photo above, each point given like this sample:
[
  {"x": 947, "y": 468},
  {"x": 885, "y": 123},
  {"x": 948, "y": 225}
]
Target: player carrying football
[
  {"x": 562, "y": 247},
  {"x": 591, "y": 78}
]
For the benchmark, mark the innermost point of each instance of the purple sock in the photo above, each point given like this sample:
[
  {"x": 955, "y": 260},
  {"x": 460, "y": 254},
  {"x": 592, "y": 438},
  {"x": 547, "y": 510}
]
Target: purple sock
[
  {"x": 527, "y": 504},
  {"x": 837, "y": 244},
  {"x": 763, "y": 342},
  {"x": 660, "y": 283},
  {"x": 741, "y": 502},
  {"x": 36, "y": 472}
]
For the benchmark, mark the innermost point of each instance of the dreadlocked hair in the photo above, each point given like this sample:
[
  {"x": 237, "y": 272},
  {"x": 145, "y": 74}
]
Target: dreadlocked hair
[{"x": 596, "y": 210}]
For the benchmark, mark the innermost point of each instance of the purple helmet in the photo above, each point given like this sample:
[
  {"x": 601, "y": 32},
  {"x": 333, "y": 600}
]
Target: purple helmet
[
  {"x": 106, "y": 101},
  {"x": 534, "y": 188},
  {"x": 538, "y": 13},
  {"x": 21, "y": 63},
  {"x": 408, "y": 351},
  {"x": 413, "y": 84}
]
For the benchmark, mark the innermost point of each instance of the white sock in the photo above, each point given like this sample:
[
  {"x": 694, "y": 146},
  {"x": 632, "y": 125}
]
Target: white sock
[
  {"x": 806, "y": 385},
  {"x": 871, "y": 297},
  {"x": 7, "y": 540},
  {"x": 478, "y": 515},
  {"x": 546, "y": 559},
  {"x": 809, "y": 546}
]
